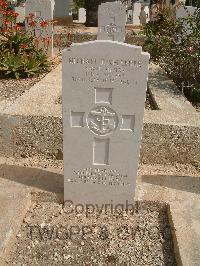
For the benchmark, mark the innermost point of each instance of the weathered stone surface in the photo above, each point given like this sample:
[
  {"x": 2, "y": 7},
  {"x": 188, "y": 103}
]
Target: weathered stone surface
[
  {"x": 170, "y": 134},
  {"x": 180, "y": 193},
  {"x": 104, "y": 88},
  {"x": 111, "y": 21},
  {"x": 21, "y": 11},
  {"x": 42, "y": 11},
  {"x": 184, "y": 213},
  {"x": 15, "y": 201},
  {"x": 61, "y": 9},
  {"x": 136, "y": 13},
  {"x": 185, "y": 11},
  {"x": 82, "y": 15},
  {"x": 61, "y": 12}
]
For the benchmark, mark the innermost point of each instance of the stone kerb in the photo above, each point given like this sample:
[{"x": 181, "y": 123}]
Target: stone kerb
[{"x": 32, "y": 125}]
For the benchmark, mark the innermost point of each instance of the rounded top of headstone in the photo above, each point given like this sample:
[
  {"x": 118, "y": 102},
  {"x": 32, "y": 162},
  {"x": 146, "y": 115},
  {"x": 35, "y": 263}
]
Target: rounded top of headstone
[{"x": 102, "y": 44}]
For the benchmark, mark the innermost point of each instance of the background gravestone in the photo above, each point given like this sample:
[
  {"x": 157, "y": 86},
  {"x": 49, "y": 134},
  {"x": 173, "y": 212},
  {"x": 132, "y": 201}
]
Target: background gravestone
[
  {"x": 185, "y": 11},
  {"x": 21, "y": 11},
  {"x": 111, "y": 21},
  {"x": 146, "y": 9},
  {"x": 82, "y": 15},
  {"x": 104, "y": 89},
  {"x": 61, "y": 12},
  {"x": 136, "y": 13},
  {"x": 42, "y": 10},
  {"x": 91, "y": 7}
]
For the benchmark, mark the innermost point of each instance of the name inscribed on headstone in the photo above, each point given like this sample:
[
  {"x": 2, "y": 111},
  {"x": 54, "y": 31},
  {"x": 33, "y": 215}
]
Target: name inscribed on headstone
[{"x": 103, "y": 70}]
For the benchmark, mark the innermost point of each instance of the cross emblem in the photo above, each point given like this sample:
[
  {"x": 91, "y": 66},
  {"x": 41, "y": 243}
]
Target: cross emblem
[
  {"x": 38, "y": 19},
  {"x": 102, "y": 120},
  {"x": 112, "y": 28}
]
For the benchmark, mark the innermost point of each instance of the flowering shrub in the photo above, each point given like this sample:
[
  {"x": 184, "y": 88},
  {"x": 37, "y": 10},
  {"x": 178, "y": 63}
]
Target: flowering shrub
[
  {"x": 20, "y": 53},
  {"x": 175, "y": 46},
  {"x": 41, "y": 31}
]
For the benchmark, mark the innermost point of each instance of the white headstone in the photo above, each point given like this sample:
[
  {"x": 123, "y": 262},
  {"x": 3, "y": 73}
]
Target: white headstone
[
  {"x": 185, "y": 11},
  {"x": 111, "y": 21},
  {"x": 82, "y": 15},
  {"x": 21, "y": 11},
  {"x": 136, "y": 13},
  {"x": 43, "y": 11},
  {"x": 104, "y": 88},
  {"x": 146, "y": 9}
]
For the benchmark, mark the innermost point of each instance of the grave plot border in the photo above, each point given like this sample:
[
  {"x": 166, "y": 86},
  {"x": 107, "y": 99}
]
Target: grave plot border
[{"x": 32, "y": 125}]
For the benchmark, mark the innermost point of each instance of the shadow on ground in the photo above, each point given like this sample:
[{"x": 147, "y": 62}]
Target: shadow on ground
[
  {"x": 33, "y": 177},
  {"x": 51, "y": 181},
  {"x": 184, "y": 183}
]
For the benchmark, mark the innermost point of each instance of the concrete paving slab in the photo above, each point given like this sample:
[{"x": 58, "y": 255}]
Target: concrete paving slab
[
  {"x": 182, "y": 194},
  {"x": 15, "y": 201},
  {"x": 184, "y": 217}
]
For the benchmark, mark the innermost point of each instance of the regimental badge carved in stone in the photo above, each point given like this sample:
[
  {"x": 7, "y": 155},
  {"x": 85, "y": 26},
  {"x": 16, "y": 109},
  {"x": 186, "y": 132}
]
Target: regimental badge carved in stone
[
  {"x": 112, "y": 28},
  {"x": 102, "y": 120}
]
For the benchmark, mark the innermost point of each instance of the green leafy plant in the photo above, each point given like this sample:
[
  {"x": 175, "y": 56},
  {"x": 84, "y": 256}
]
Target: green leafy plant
[
  {"x": 19, "y": 52},
  {"x": 174, "y": 45}
]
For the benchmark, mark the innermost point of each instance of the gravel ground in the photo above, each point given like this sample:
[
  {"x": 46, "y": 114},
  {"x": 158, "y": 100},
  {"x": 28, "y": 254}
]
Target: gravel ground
[
  {"x": 51, "y": 236},
  {"x": 174, "y": 169},
  {"x": 197, "y": 106},
  {"x": 11, "y": 89}
]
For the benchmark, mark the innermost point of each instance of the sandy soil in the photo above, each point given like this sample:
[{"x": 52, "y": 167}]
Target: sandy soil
[{"x": 51, "y": 235}]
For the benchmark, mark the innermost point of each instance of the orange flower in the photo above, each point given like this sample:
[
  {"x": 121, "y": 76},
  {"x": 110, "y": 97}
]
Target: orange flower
[
  {"x": 22, "y": 46},
  {"x": 15, "y": 14},
  {"x": 8, "y": 13},
  {"x": 17, "y": 27},
  {"x": 6, "y": 21},
  {"x": 4, "y": 4},
  {"x": 32, "y": 24},
  {"x": 43, "y": 24}
]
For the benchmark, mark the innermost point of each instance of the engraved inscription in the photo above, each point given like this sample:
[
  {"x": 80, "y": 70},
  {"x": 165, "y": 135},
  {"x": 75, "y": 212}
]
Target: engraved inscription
[
  {"x": 107, "y": 177},
  {"x": 105, "y": 70},
  {"x": 102, "y": 120},
  {"x": 106, "y": 62},
  {"x": 112, "y": 28}
]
